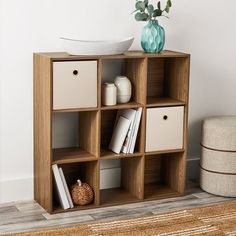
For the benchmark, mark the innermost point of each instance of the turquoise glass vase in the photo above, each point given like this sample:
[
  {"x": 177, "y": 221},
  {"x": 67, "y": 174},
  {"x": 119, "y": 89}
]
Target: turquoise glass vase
[{"x": 153, "y": 37}]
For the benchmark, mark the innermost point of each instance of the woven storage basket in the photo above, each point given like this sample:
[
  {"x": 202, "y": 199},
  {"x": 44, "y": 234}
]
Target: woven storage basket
[
  {"x": 81, "y": 193},
  {"x": 218, "y": 159}
]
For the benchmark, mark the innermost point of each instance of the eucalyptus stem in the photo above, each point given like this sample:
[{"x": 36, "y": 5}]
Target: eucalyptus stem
[{"x": 146, "y": 12}]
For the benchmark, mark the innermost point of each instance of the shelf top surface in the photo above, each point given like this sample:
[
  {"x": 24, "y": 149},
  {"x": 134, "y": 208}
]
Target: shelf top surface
[{"x": 130, "y": 54}]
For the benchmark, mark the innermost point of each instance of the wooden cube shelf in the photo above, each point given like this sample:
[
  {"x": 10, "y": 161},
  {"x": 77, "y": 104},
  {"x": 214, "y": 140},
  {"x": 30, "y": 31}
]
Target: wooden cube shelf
[
  {"x": 130, "y": 189},
  {"x": 108, "y": 118},
  {"x": 82, "y": 140},
  {"x": 167, "y": 83},
  {"x": 163, "y": 176},
  {"x": 80, "y": 143},
  {"x": 134, "y": 69},
  {"x": 86, "y": 172}
]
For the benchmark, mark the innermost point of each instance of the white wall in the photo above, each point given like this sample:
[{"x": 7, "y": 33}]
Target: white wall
[{"x": 203, "y": 28}]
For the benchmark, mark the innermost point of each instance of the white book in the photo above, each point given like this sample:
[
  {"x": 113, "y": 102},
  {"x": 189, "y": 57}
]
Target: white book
[
  {"x": 130, "y": 115},
  {"x": 119, "y": 133},
  {"x": 60, "y": 188},
  {"x": 132, "y": 132},
  {"x": 66, "y": 188},
  {"x": 135, "y": 129}
]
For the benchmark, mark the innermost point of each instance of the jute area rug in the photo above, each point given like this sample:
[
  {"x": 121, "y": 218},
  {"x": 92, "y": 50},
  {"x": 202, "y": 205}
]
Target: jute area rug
[{"x": 214, "y": 220}]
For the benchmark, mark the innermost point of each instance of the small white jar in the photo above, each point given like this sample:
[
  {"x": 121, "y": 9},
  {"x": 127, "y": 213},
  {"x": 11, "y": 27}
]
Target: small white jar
[
  {"x": 124, "y": 89},
  {"x": 109, "y": 94}
]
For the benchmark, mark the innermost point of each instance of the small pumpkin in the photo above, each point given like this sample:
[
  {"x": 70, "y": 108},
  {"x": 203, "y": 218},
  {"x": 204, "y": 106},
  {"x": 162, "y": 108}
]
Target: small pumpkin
[{"x": 81, "y": 193}]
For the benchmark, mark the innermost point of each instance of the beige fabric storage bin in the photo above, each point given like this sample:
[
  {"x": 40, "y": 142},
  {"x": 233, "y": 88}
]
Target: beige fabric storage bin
[
  {"x": 218, "y": 159},
  {"x": 74, "y": 84},
  {"x": 164, "y": 128}
]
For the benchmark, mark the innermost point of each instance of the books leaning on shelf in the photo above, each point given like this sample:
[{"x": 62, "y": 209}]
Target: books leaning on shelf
[
  {"x": 134, "y": 131},
  {"x": 62, "y": 188},
  {"x": 126, "y": 129},
  {"x": 119, "y": 134},
  {"x": 130, "y": 115}
]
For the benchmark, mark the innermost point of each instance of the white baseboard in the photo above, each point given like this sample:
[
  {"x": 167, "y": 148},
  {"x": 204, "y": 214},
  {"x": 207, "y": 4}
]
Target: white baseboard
[{"x": 16, "y": 190}]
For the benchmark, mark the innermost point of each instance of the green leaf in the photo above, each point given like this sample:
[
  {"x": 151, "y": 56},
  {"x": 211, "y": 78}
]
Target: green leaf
[
  {"x": 140, "y": 6},
  {"x": 157, "y": 12},
  {"x": 138, "y": 16},
  {"x": 159, "y": 5},
  {"x": 141, "y": 16},
  {"x": 144, "y": 16},
  {"x": 137, "y": 5},
  {"x": 167, "y": 9},
  {"x": 150, "y": 8},
  {"x": 169, "y": 3},
  {"x": 146, "y": 3}
]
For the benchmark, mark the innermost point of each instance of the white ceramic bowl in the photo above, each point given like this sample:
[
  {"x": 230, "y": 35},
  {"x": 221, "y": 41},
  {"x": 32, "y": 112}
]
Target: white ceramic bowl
[{"x": 90, "y": 47}]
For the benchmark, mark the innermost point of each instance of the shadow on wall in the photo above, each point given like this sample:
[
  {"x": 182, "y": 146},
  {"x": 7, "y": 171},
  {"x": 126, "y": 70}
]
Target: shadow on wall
[
  {"x": 193, "y": 170},
  {"x": 194, "y": 139}
]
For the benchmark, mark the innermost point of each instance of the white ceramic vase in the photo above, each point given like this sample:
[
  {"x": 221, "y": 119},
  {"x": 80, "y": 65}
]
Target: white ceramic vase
[
  {"x": 124, "y": 89},
  {"x": 109, "y": 94}
]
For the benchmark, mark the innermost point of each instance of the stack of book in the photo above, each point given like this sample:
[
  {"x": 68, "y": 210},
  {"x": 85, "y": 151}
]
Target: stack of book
[
  {"x": 62, "y": 188},
  {"x": 125, "y": 130}
]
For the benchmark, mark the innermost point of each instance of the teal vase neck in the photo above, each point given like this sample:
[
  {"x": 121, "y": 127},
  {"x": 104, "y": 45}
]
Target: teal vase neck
[{"x": 153, "y": 22}]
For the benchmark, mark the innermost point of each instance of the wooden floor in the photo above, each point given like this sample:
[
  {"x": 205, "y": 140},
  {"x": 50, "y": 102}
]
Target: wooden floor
[{"x": 28, "y": 215}]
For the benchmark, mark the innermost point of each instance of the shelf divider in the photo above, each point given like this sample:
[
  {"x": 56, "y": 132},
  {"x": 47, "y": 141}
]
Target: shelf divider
[
  {"x": 163, "y": 102},
  {"x": 122, "y": 106},
  {"x": 71, "y": 155}
]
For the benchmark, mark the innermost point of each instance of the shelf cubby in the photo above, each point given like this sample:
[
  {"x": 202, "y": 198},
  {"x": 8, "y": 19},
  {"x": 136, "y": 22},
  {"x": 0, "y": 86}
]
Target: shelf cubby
[
  {"x": 135, "y": 70},
  {"x": 163, "y": 176},
  {"x": 167, "y": 81},
  {"x": 108, "y": 118},
  {"x": 130, "y": 189},
  {"x": 75, "y": 137},
  {"x": 87, "y": 172}
]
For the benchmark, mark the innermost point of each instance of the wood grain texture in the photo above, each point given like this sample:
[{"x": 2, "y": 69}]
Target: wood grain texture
[
  {"x": 159, "y": 191},
  {"x": 166, "y": 172},
  {"x": 164, "y": 152},
  {"x": 136, "y": 70},
  {"x": 62, "y": 56},
  {"x": 71, "y": 155},
  {"x": 152, "y": 170},
  {"x": 132, "y": 177},
  {"x": 122, "y": 106},
  {"x": 42, "y": 131},
  {"x": 108, "y": 154},
  {"x": 87, "y": 172},
  {"x": 163, "y": 102},
  {"x": 75, "y": 110},
  {"x": 158, "y": 80},
  {"x": 156, "y": 73},
  {"x": 116, "y": 196},
  {"x": 89, "y": 132},
  {"x": 107, "y": 125},
  {"x": 177, "y": 78},
  {"x": 176, "y": 175}
]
